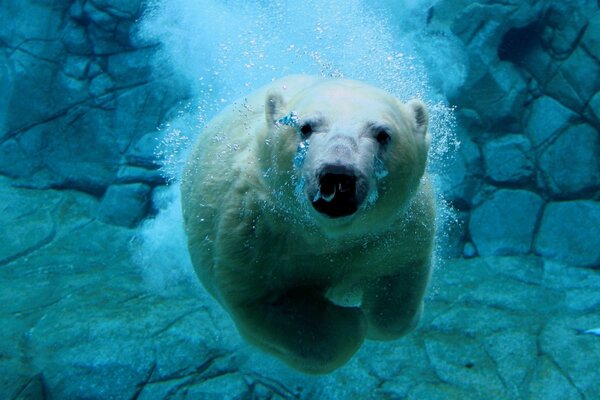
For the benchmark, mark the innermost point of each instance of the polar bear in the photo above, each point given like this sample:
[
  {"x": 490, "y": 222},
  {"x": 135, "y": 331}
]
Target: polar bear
[{"x": 310, "y": 217}]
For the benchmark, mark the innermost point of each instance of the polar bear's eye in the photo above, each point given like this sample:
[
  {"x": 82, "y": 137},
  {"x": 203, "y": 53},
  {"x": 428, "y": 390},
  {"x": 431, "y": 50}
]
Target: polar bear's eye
[
  {"x": 306, "y": 130},
  {"x": 383, "y": 137}
]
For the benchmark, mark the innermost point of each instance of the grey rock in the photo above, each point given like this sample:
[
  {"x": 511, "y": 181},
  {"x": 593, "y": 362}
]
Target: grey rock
[
  {"x": 539, "y": 63},
  {"x": 510, "y": 295},
  {"x": 583, "y": 300},
  {"x": 34, "y": 388},
  {"x": 71, "y": 136},
  {"x": 504, "y": 224},
  {"x": 548, "y": 382},
  {"x": 482, "y": 25},
  {"x": 563, "y": 24},
  {"x": 572, "y": 352},
  {"x": 567, "y": 233},
  {"x": 74, "y": 37},
  {"x": 125, "y": 204},
  {"x": 426, "y": 390},
  {"x": 546, "y": 118},
  {"x": 130, "y": 68},
  {"x": 141, "y": 109},
  {"x": 92, "y": 176},
  {"x": 570, "y": 166},
  {"x": 469, "y": 250},
  {"x": 515, "y": 353},
  {"x": 142, "y": 153},
  {"x": 498, "y": 96},
  {"x": 525, "y": 269},
  {"x": 508, "y": 159},
  {"x": 568, "y": 84},
  {"x": 451, "y": 233},
  {"x": 580, "y": 65},
  {"x": 94, "y": 93},
  {"x": 591, "y": 39},
  {"x": 14, "y": 162},
  {"x": 27, "y": 225},
  {"x": 463, "y": 175},
  {"x": 559, "y": 275},
  {"x": 101, "y": 85},
  {"x": 389, "y": 363},
  {"x": 593, "y": 108},
  {"x": 450, "y": 283},
  {"x": 131, "y": 174},
  {"x": 99, "y": 15},
  {"x": 474, "y": 319},
  {"x": 559, "y": 87},
  {"x": 464, "y": 364},
  {"x": 224, "y": 386},
  {"x": 123, "y": 9},
  {"x": 76, "y": 66}
]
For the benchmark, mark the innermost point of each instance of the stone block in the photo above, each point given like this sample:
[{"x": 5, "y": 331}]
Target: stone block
[
  {"x": 591, "y": 38},
  {"x": 123, "y": 9},
  {"x": 14, "y": 161},
  {"x": 560, "y": 88},
  {"x": 563, "y": 24},
  {"x": 593, "y": 108},
  {"x": 583, "y": 73},
  {"x": 574, "y": 355},
  {"x": 577, "y": 80},
  {"x": 27, "y": 222},
  {"x": 547, "y": 382},
  {"x": 142, "y": 153},
  {"x": 539, "y": 63},
  {"x": 547, "y": 117},
  {"x": 131, "y": 174},
  {"x": 75, "y": 38},
  {"x": 125, "y": 205},
  {"x": 569, "y": 232},
  {"x": 570, "y": 166},
  {"x": 508, "y": 159},
  {"x": 505, "y": 223},
  {"x": 131, "y": 67},
  {"x": 498, "y": 96},
  {"x": 462, "y": 178}
]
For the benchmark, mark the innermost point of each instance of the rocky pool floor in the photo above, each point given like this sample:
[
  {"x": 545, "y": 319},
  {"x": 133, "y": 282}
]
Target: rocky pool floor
[{"x": 79, "y": 321}]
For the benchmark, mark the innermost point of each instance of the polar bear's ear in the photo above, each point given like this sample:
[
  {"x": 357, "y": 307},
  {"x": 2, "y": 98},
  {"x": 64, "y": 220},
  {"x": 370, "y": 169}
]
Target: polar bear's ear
[
  {"x": 421, "y": 116},
  {"x": 274, "y": 107}
]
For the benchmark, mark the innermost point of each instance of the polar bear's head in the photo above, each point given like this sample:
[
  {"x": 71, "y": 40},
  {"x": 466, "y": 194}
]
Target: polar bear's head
[{"x": 354, "y": 148}]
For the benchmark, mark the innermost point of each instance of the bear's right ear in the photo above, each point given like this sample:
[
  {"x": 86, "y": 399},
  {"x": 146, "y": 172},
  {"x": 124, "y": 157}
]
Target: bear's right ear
[
  {"x": 420, "y": 115},
  {"x": 274, "y": 107}
]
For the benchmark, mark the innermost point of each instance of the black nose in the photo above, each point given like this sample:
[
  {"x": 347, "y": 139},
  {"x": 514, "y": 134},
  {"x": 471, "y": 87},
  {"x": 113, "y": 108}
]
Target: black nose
[
  {"x": 340, "y": 185},
  {"x": 337, "y": 194}
]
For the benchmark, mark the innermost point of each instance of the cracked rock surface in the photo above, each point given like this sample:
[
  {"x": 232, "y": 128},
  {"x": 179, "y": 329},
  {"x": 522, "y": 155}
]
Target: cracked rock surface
[
  {"x": 79, "y": 95},
  {"x": 78, "y": 321}
]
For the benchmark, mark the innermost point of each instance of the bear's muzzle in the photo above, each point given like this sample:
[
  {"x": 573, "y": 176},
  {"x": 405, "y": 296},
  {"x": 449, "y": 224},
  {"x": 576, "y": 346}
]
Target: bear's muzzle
[{"x": 340, "y": 192}]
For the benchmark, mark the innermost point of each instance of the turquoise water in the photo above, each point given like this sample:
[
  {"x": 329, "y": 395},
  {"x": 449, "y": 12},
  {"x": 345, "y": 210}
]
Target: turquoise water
[{"x": 102, "y": 100}]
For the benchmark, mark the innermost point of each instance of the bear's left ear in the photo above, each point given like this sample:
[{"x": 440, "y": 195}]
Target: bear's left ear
[
  {"x": 421, "y": 117},
  {"x": 274, "y": 107}
]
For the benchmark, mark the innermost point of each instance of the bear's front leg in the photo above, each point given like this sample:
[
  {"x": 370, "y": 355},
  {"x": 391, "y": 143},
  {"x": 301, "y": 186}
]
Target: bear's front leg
[
  {"x": 393, "y": 304},
  {"x": 304, "y": 329}
]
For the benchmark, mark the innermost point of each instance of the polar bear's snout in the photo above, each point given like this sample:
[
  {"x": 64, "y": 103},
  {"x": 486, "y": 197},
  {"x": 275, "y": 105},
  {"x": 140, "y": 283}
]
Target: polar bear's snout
[{"x": 340, "y": 190}]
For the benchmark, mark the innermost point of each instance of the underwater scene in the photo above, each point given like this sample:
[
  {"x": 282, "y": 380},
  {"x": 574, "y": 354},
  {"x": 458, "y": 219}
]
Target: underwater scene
[{"x": 394, "y": 199}]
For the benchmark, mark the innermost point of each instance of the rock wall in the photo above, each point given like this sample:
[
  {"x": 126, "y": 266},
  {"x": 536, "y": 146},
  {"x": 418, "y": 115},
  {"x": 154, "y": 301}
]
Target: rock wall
[
  {"x": 80, "y": 102},
  {"x": 527, "y": 176}
]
